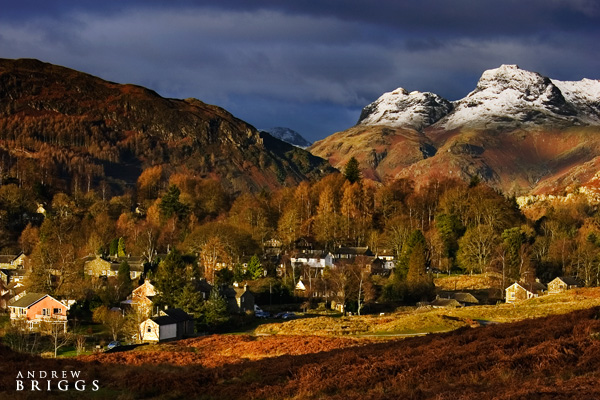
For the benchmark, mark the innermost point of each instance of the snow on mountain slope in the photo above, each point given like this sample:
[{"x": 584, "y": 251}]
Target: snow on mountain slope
[
  {"x": 509, "y": 97},
  {"x": 505, "y": 98},
  {"x": 400, "y": 108},
  {"x": 288, "y": 135},
  {"x": 585, "y": 96}
]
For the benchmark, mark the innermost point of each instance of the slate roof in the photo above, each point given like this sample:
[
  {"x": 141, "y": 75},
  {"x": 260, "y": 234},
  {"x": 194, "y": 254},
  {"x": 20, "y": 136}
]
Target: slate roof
[
  {"x": 203, "y": 286},
  {"x": 177, "y": 314},
  {"x": 465, "y": 298},
  {"x": 7, "y": 258},
  {"x": 532, "y": 287},
  {"x": 445, "y": 303},
  {"x": 569, "y": 280},
  {"x": 354, "y": 251},
  {"x": 28, "y": 300},
  {"x": 309, "y": 255},
  {"x": 164, "y": 320},
  {"x": 536, "y": 286}
]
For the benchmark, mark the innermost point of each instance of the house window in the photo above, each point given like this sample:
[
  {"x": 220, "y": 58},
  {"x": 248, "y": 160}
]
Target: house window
[
  {"x": 57, "y": 311},
  {"x": 45, "y": 311}
]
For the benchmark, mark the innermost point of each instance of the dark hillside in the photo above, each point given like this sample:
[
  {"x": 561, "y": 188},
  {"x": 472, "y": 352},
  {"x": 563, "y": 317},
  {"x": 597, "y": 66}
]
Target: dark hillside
[{"x": 66, "y": 128}]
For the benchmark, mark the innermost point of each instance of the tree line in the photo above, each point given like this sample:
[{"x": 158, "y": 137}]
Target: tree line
[{"x": 443, "y": 225}]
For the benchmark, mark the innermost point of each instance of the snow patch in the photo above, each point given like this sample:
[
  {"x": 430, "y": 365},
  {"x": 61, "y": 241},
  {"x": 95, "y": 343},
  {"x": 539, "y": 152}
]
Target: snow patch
[{"x": 400, "y": 108}]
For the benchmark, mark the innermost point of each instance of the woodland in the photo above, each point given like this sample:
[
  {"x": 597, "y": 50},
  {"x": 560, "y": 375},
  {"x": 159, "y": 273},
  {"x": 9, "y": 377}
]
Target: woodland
[{"x": 442, "y": 226}]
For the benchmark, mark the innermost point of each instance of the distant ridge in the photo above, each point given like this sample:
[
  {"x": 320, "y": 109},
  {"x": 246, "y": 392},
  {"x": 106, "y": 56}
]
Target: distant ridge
[{"x": 288, "y": 135}]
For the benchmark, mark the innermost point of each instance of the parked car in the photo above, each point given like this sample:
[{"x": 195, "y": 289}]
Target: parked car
[
  {"x": 112, "y": 345},
  {"x": 285, "y": 315},
  {"x": 262, "y": 314}
]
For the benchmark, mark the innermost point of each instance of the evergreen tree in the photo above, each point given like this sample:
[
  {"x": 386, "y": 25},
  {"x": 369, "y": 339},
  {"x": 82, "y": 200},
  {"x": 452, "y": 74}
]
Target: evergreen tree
[
  {"x": 402, "y": 266},
  {"x": 170, "y": 279},
  {"x": 214, "y": 310},
  {"x": 419, "y": 282},
  {"x": 124, "y": 280},
  {"x": 190, "y": 299},
  {"x": 121, "y": 248},
  {"x": 352, "y": 170},
  {"x": 255, "y": 270},
  {"x": 170, "y": 204},
  {"x": 238, "y": 273},
  {"x": 417, "y": 265},
  {"x": 513, "y": 240},
  {"x": 225, "y": 276},
  {"x": 450, "y": 229},
  {"x": 113, "y": 248}
]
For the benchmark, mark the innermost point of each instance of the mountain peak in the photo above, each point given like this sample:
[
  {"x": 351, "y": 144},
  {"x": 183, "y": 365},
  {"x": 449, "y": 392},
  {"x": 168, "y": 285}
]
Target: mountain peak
[
  {"x": 510, "y": 97},
  {"x": 510, "y": 76},
  {"x": 288, "y": 135},
  {"x": 400, "y": 108}
]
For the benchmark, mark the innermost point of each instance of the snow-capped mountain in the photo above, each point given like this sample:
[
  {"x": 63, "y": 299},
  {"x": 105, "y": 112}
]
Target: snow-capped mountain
[
  {"x": 510, "y": 97},
  {"x": 400, "y": 108},
  {"x": 505, "y": 97},
  {"x": 519, "y": 131},
  {"x": 288, "y": 135}
]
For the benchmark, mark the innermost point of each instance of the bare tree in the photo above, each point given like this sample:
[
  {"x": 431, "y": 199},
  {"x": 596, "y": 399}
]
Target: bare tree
[
  {"x": 57, "y": 333},
  {"x": 80, "y": 344},
  {"x": 214, "y": 255},
  {"x": 362, "y": 282}
]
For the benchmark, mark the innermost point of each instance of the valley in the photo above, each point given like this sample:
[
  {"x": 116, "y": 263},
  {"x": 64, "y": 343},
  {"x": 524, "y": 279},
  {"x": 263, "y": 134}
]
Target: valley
[{"x": 413, "y": 255}]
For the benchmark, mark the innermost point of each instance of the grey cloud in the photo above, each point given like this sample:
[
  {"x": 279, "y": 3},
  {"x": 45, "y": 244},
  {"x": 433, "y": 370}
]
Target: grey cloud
[{"x": 297, "y": 61}]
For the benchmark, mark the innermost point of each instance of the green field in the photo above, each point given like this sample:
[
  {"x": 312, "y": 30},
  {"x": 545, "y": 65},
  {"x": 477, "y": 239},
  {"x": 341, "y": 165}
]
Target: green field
[{"x": 414, "y": 321}]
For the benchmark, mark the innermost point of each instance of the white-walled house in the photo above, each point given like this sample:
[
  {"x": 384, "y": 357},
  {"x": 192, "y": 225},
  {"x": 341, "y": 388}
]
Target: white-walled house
[
  {"x": 158, "y": 328},
  {"x": 562, "y": 283},
  {"x": 169, "y": 324},
  {"x": 521, "y": 291}
]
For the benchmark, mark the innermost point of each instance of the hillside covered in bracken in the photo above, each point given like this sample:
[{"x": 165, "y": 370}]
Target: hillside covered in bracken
[
  {"x": 556, "y": 357},
  {"x": 70, "y": 130}
]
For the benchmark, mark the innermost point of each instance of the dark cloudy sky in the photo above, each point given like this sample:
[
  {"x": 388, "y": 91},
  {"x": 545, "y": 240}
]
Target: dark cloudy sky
[{"x": 307, "y": 65}]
